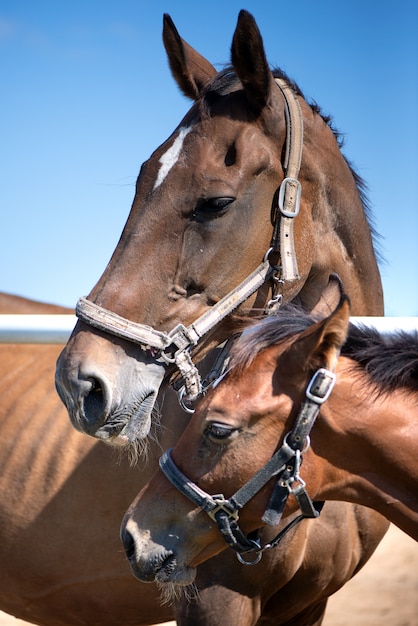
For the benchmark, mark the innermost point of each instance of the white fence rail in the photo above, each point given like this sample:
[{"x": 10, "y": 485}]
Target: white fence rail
[
  {"x": 36, "y": 328},
  {"x": 57, "y": 328}
]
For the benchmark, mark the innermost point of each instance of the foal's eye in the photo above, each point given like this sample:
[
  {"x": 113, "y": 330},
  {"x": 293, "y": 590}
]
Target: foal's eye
[
  {"x": 209, "y": 208},
  {"x": 219, "y": 432}
]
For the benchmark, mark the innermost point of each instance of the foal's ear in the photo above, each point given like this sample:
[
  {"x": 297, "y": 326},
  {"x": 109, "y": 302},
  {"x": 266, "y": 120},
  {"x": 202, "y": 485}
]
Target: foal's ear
[
  {"x": 250, "y": 63},
  {"x": 320, "y": 345},
  {"x": 190, "y": 70}
]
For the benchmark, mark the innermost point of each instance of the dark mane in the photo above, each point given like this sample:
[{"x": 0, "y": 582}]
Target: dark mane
[
  {"x": 389, "y": 359},
  {"x": 226, "y": 80}
]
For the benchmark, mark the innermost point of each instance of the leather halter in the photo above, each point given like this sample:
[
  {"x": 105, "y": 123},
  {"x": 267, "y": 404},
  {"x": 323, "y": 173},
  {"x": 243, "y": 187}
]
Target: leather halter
[
  {"x": 175, "y": 346},
  {"x": 284, "y": 464}
]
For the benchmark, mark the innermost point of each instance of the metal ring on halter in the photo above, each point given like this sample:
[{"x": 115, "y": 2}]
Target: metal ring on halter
[
  {"x": 276, "y": 300},
  {"x": 257, "y": 559},
  {"x": 182, "y": 401},
  {"x": 267, "y": 254},
  {"x": 276, "y": 268},
  {"x": 274, "y": 303},
  {"x": 169, "y": 360},
  {"x": 306, "y": 445}
]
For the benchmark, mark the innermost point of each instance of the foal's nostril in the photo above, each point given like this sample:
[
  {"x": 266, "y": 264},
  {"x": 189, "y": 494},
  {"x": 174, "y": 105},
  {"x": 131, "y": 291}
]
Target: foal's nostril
[{"x": 128, "y": 543}]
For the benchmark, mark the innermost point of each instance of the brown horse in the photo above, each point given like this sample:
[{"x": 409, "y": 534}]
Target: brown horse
[
  {"x": 218, "y": 218},
  {"x": 261, "y": 419},
  {"x": 62, "y": 496}
]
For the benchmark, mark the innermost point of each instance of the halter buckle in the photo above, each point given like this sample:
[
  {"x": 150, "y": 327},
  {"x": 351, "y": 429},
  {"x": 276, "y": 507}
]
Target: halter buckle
[
  {"x": 320, "y": 386},
  {"x": 289, "y": 197},
  {"x": 183, "y": 337}
]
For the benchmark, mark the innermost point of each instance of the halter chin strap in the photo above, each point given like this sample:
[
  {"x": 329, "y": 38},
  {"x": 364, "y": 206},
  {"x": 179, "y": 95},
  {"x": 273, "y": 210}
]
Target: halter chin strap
[
  {"x": 174, "y": 346},
  {"x": 284, "y": 464}
]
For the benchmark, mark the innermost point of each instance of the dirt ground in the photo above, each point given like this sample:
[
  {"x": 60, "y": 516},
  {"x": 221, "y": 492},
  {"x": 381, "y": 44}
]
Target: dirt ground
[{"x": 385, "y": 592}]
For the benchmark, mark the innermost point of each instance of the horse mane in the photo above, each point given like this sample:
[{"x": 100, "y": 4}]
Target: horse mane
[
  {"x": 226, "y": 80},
  {"x": 390, "y": 360}
]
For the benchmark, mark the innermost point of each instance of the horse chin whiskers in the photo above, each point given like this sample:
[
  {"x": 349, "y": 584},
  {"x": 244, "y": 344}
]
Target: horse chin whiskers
[
  {"x": 138, "y": 450},
  {"x": 173, "y": 592}
]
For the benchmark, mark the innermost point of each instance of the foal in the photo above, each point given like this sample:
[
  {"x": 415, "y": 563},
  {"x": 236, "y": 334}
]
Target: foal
[{"x": 362, "y": 447}]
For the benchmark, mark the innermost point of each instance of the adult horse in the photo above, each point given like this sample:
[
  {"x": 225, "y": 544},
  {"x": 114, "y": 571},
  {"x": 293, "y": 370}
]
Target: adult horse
[
  {"x": 296, "y": 391},
  {"x": 217, "y": 218},
  {"x": 62, "y": 496}
]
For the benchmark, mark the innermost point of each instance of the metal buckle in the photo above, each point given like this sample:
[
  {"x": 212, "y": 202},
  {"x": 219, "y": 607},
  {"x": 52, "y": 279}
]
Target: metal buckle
[
  {"x": 222, "y": 504},
  {"x": 293, "y": 201},
  {"x": 328, "y": 378},
  {"x": 182, "y": 337}
]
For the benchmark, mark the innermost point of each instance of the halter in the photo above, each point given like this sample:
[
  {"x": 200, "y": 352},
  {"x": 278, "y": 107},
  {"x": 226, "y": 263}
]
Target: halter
[
  {"x": 284, "y": 464},
  {"x": 175, "y": 346}
]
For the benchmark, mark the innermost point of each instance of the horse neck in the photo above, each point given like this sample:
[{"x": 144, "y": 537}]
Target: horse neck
[
  {"x": 330, "y": 190},
  {"x": 368, "y": 444}
]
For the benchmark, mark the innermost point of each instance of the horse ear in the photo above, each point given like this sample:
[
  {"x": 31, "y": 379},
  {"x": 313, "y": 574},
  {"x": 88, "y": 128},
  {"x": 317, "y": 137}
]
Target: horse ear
[
  {"x": 190, "y": 70},
  {"x": 320, "y": 345},
  {"x": 330, "y": 297},
  {"x": 249, "y": 61}
]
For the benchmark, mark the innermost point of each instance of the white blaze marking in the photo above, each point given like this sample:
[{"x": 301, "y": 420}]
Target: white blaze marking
[{"x": 170, "y": 157}]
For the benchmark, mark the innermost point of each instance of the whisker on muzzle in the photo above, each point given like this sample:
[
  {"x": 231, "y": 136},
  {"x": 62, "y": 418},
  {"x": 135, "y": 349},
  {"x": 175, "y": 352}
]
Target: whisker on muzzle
[{"x": 172, "y": 592}]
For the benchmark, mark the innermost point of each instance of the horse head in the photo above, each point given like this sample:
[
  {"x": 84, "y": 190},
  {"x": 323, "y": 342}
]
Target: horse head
[
  {"x": 204, "y": 218},
  {"x": 244, "y": 444}
]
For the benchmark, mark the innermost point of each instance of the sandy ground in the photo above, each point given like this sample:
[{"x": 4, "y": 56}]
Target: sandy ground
[{"x": 385, "y": 592}]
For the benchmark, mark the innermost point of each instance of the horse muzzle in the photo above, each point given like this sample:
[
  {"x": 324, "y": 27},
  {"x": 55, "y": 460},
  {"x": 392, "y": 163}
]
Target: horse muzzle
[
  {"x": 150, "y": 562},
  {"x": 110, "y": 394}
]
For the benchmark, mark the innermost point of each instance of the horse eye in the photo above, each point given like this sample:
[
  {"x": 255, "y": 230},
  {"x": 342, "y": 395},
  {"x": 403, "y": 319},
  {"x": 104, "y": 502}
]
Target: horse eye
[
  {"x": 219, "y": 432},
  {"x": 212, "y": 207}
]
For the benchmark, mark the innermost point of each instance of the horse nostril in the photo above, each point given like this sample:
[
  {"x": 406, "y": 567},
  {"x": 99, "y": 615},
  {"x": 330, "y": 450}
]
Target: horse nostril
[
  {"x": 94, "y": 402},
  {"x": 92, "y": 397},
  {"x": 128, "y": 544}
]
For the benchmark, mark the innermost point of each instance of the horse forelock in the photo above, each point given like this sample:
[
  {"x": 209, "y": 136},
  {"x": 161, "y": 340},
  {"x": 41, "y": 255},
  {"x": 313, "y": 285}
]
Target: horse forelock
[
  {"x": 269, "y": 331},
  {"x": 227, "y": 81}
]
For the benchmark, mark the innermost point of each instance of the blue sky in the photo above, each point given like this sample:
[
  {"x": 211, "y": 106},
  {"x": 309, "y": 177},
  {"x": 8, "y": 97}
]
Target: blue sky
[{"x": 86, "y": 96}]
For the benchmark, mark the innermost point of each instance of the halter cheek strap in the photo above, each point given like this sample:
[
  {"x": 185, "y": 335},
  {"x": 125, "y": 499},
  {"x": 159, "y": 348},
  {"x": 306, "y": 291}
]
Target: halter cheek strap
[{"x": 290, "y": 189}]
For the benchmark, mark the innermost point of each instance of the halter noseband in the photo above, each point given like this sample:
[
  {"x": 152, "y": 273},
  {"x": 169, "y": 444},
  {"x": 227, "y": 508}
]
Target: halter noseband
[
  {"x": 284, "y": 464},
  {"x": 175, "y": 346}
]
